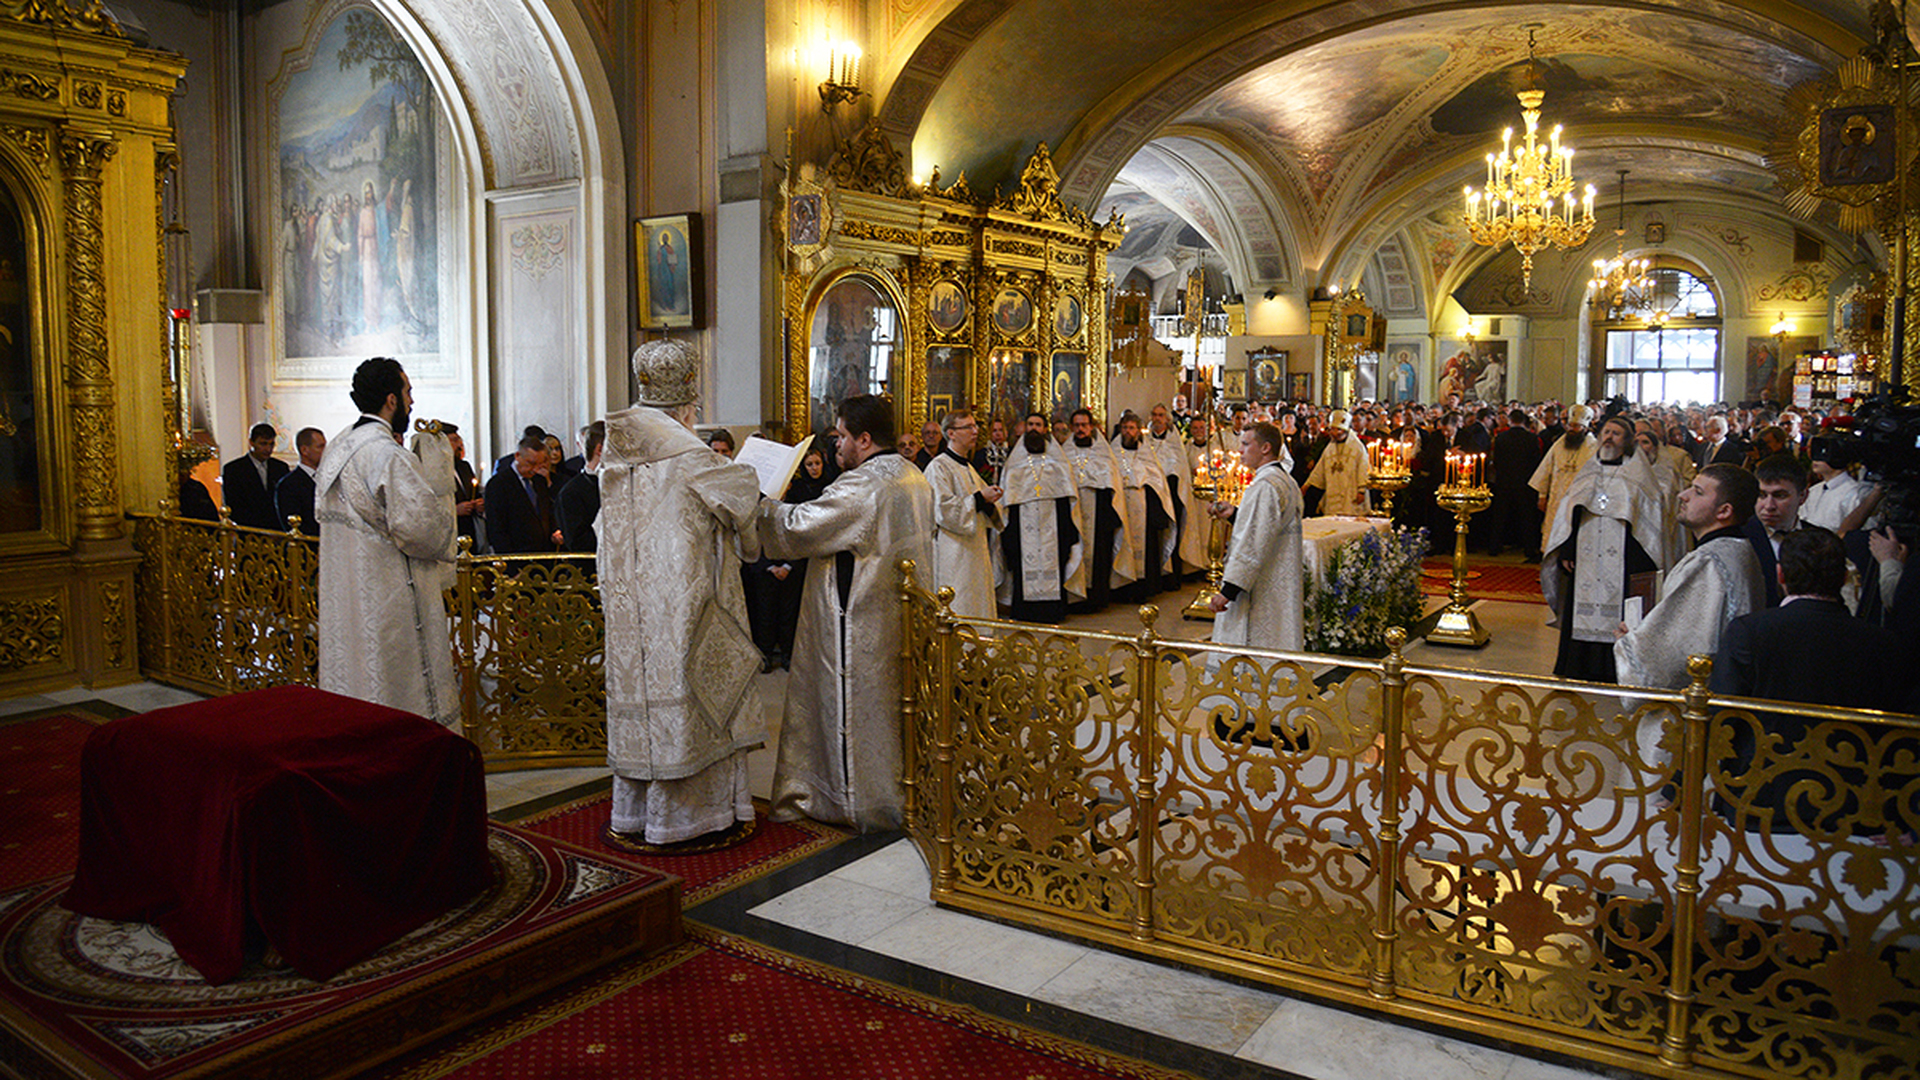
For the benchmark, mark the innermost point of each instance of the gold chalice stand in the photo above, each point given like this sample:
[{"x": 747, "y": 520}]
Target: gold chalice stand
[
  {"x": 1221, "y": 478},
  {"x": 1465, "y": 494},
  {"x": 1389, "y": 472}
]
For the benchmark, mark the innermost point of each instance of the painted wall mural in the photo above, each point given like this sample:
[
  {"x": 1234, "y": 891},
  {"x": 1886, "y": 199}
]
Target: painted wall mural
[{"x": 360, "y": 210}]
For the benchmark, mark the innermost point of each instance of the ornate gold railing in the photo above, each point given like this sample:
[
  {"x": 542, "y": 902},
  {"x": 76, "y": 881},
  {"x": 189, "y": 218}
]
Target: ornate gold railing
[
  {"x": 1541, "y": 861},
  {"x": 224, "y": 608}
]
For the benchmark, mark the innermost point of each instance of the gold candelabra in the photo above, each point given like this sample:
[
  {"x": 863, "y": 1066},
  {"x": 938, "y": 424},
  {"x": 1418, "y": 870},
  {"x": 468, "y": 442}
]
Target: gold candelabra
[
  {"x": 1389, "y": 470},
  {"x": 1465, "y": 494},
  {"x": 1220, "y": 478}
]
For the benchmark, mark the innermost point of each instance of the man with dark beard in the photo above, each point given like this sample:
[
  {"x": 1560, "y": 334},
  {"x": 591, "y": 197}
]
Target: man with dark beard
[
  {"x": 1606, "y": 541},
  {"x": 1551, "y": 478},
  {"x": 1149, "y": 506},
  {"x": 1041, "y": 544},
  {"x": 1096, "y": 475}
]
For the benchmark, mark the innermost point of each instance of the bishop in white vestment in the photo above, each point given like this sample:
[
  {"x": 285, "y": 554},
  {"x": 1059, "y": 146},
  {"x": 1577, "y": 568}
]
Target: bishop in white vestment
[
  {"x": 1342, "y": 470},
  {"x": 676, "y": 522},
  {"x": 966, "y": 509},
  {"x": 839, "y": 758},
  {"x": 1261, "y": 601},
  {"x": 388, "y": 555}
]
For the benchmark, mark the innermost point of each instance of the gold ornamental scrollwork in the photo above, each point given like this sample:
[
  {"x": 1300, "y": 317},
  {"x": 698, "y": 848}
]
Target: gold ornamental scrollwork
[
  {"x": 1038, "y": 196},
  {"x": 28, "y": 85},
  {"x": 868, "y": 162},
  {"x": 88, "y": 15},
  {"x": 113, "y": 623},
  {"x": 89, "y": 375},
  {"x": 33, "y": 143},
  {"x": 32, "y": 632}
]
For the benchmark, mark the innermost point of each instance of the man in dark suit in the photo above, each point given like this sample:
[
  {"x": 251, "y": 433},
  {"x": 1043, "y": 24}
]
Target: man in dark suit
[
  {"x": 578, "y": 502},
  {"x": 1516, "y": 453},
  {"x": 1809, "y": 650},
  {"x": 247, "y": 482},
  {"x": 506, "y": 460},
  {"x": 519, "y": 506},
  {"x": 1719, "y": 447},
  {"x": 1783, "y": 487},
  {"x": 293, "y": 497}
]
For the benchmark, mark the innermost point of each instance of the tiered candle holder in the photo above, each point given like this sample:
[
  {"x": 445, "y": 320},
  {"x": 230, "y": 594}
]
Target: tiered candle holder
[
  {"x": 1221, "y": 478},
  {"x": 1464, "y": 494},
  {"x": 1389, "y": 471}
]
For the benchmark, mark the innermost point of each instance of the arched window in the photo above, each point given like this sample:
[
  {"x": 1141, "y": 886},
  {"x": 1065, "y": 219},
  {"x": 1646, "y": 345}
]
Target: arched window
[{"x": 1670, "y": 349}]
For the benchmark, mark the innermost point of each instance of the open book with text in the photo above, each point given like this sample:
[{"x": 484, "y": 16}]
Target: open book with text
[{"x": 775, "y": 462}]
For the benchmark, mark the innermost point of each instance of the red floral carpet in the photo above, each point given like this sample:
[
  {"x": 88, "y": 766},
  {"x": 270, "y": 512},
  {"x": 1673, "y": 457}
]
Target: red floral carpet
[
  {"x": 1517, "y": 583},
  {"x": 773, "y": 845},
  {"x": 719, "y": 1008},
  {"x": 40, "y": 797}
]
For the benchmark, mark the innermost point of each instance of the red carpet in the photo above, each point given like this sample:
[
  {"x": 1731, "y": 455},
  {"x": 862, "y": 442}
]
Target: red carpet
[
  {"x": 40, "y": 804},
  {"x": 774, "y": 845},
  {"x": 719, "y": 1008},
  {"x": 1516, "y": 583}
]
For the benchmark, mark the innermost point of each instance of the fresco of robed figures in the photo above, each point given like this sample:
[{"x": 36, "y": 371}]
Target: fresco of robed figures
[{"x": 359, "y": 213}]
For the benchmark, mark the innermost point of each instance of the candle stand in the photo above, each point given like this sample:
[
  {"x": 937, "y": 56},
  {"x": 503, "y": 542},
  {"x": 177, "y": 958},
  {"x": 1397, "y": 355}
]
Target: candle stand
[
  {"x": 1389, "y": 483},
  {"x": 1222, "y": 480},
  {"x": 1458, "y": 624}
]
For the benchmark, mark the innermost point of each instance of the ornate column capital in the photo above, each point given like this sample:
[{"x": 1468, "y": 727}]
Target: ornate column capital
[{"x": 84, "y": 151}]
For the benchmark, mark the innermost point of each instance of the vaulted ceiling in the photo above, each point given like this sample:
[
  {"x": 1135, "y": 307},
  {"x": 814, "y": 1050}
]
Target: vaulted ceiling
[{"x": 1322, "y": 142}]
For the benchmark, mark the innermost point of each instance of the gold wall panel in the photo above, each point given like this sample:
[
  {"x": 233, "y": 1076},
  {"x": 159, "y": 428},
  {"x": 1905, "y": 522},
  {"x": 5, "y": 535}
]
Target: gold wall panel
[{"x": 33, "y": 633}]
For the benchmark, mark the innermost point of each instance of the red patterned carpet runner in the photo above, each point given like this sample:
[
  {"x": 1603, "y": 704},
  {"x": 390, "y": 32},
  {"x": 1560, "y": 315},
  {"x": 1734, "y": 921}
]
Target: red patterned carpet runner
[
  {"x": 1512, "y": 582},
  {"x": 40, "y": 797},
  {"x": 719, "y": 1008},
  {"x": 774, "y": 845}
]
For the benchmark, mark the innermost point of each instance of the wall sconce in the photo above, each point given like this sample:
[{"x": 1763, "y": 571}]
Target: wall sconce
[
  {"x": 1466, "y": 332},
  {"x": 1271, "y": 293},
  {"x": 1784, "y": 327},
  {"x": 843, "y": 76}
]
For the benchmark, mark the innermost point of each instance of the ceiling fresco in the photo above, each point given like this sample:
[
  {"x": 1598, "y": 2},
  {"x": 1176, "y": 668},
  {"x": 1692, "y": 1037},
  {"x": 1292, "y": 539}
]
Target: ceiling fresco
[{"x": 1287, "y": 137}]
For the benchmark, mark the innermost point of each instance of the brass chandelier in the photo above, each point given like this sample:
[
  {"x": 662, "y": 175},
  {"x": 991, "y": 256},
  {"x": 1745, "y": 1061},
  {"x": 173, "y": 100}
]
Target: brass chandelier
[
  {"x": 1620, "y": 285},
  {"x": 1529, "y": 201}
]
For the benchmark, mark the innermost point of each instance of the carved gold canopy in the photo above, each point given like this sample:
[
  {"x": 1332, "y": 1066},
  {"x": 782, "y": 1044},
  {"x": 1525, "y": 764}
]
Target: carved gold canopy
[{"x": 998, "y": 303}]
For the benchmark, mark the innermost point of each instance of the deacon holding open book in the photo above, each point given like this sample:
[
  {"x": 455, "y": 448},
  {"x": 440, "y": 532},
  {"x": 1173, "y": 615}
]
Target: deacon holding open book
[
  {"x": 965, "y": 510},
  {"x": 676, "y": 521}
]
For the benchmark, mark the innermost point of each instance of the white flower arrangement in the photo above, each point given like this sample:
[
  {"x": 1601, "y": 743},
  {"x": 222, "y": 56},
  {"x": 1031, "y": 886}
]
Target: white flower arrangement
[{"x": 1371, "y": 584}]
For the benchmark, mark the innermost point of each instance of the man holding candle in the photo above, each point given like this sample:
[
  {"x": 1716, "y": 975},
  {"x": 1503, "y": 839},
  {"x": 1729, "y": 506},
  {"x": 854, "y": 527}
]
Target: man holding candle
[
  {"x": 1342, "y": 470},
  {"x": 1260, "y": 603}
]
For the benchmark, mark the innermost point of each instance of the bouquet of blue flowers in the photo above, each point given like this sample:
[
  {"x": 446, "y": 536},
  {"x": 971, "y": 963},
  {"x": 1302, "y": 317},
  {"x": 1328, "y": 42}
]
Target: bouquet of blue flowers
[{"x": 1370, "y": 584}]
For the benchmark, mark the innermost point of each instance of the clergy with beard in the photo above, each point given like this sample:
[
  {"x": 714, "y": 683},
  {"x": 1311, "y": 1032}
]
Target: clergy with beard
[
  {"x": 1714, "y": 584},
  {"x": 1552, "y": 478},
  {"x": 1103, "y": 515},
  {"x": 676, "y": 522},
  {"x": 1171, "y": 450},
  {"x": 1197, "y": 536},
  {"x": 388, "y": 554},
  {"x": 965, "y": 510},
  {"x": 1342, "y": 470},
  {"x": 839, "y": 759},
  {"x": 1149, "y": 506},
  {"x": 1606, "y": 542},
  {"x": 1260, "y": 602},
  {"x": 1040, "y": 547}
]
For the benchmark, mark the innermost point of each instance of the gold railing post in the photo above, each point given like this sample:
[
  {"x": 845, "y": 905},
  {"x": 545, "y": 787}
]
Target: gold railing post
[
  {"x": 1676, "y": 1049},
  {"x": 465, "y": 640},
  {"x": 229, "y": 603},
  {"x": 294, "y": 573},
  {"x": 943, "y": 749},
  {"x": 909, "y": 698},
  {"x": 163, "y": 533},
  {"x": 1146, "y": 810},
  {"x": 1393, "y": 704}
]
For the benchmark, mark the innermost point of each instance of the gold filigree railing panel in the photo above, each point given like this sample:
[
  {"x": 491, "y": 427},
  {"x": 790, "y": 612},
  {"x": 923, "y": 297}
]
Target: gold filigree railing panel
[
  {"x": 224, "y": 608},
  {"x": 1669, "y": 882},
  {"x": 531, "y": 649}
]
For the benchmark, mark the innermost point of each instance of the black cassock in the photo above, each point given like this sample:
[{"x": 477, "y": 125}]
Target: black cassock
[
  {"x": 1038, "y": 611},
  {"x": 1590, "y": 660}
]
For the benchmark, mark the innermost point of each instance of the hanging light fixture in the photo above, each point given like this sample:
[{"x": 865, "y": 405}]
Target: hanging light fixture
[
  {"x": 1621, "y": 285},
  {"x": 1529, "y": 201}
]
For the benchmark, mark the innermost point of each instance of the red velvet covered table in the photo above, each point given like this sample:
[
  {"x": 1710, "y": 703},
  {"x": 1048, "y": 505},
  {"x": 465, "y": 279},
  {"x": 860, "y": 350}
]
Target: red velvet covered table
[{"x": 332, "y": 825}]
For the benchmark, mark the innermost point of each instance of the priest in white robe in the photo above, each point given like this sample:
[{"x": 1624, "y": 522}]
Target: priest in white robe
[
  {"x": 1149, "y": 506},
  {"x": 1551, "y": 478},
  {"x": 1716, "y": 583},
  {"x": 1342, "y": 470},
  {"x": 839, "y": 758},
  {"x": 1040, "y": 546},
  {"x": 676, "y": 522},
  {"x": 1606, "y": 543},
  {"x": 1104, "y": 526},
  {"x": 1197, "y": 537},
  {"x": 966, "y": 509},
  {"x": 388, "y": 554},
  {"x": 1171, "y": 450},
  {"x": 1261, "y": 602}
]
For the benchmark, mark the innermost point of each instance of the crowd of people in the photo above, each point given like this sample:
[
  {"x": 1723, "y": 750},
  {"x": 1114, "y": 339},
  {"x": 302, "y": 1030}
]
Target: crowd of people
[{"x": 1662, "y": 532}]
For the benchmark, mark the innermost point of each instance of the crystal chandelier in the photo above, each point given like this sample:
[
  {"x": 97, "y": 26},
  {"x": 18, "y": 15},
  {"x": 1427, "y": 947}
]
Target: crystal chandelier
[
  {"x": 1529, "y": 196},
  {"x": 1621, "y": 285}
]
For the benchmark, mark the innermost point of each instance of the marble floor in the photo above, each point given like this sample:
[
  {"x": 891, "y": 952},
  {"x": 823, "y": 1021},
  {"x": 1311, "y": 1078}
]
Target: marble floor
[{"x": 864, "y": 906}]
